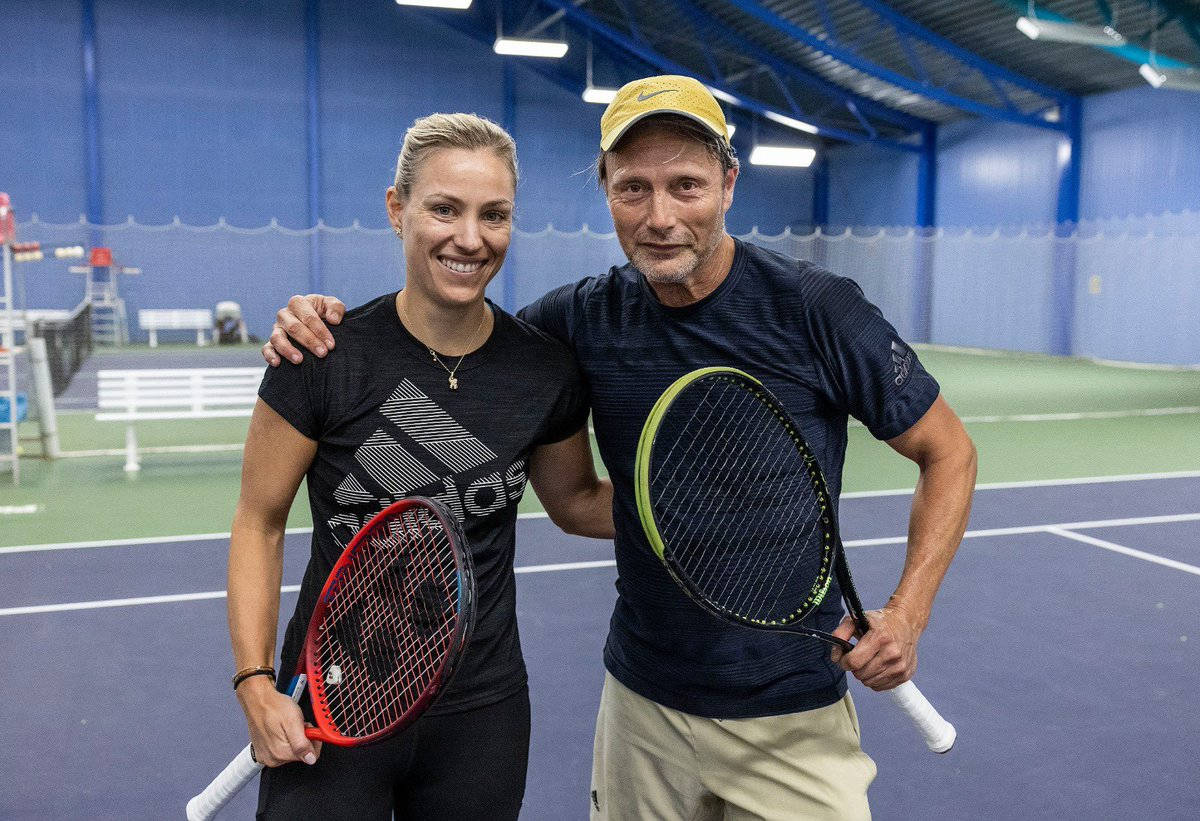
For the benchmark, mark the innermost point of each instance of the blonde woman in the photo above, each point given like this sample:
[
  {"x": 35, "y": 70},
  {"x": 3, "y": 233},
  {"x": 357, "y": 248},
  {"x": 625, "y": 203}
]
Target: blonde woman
[{"x": 432, "y": 390}]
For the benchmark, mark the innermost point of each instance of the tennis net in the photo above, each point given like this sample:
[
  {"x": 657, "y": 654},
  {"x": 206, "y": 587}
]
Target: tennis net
[{"x": 68, "y": 343}]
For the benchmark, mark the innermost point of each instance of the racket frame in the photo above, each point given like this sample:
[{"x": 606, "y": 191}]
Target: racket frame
[
  {"x": 831, "y": 542},
  {"x": 309, "y": 661},
  {"x": 939, "y": 734}
]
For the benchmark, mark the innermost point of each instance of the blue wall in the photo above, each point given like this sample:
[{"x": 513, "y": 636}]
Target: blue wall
[
  {"x": 1141, "y": 153},
  {"x": 997, "y": 174},
  {"x": 203, "y": 115},
  {"x": 41, "y": 109},
  {"x": 203, "y": 112},
  {"x": 200, "y": 112},
  {"x": 872, "y": 185}
]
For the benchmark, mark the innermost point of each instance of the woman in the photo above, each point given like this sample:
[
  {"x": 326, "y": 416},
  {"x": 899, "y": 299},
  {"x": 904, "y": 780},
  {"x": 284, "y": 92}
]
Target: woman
[{"x": 433, "y": 391}]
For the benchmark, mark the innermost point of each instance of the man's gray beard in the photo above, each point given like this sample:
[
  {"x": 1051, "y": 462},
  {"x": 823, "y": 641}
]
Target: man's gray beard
[
  {"x": 681, "y": 277},
  {"x": 678, "y": 277}
]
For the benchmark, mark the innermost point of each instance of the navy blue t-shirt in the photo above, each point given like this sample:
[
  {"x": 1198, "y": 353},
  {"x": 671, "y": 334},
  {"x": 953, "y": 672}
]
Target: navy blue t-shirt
[{"x": 817, "y": 344}]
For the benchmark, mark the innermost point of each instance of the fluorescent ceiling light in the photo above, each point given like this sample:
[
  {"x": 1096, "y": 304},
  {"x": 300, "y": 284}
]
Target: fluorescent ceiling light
[
  {"x": 732, "y": 128},
  {"x": 1182, "y": 79},
  {"x": 603, "y": 96},
  {"x": 436, "y": 4},
  {"x": 1054, "y": 31},
  {"x": 721, "y": 95},
  {"x": 790, "y": 123},
  {"x": 530, "y": 48},
  {"x": 789, "y": 156}
]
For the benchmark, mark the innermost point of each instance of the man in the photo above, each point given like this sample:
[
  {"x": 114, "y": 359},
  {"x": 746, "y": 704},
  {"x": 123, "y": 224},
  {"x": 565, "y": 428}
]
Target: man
[{"x": 698, "y": 718}]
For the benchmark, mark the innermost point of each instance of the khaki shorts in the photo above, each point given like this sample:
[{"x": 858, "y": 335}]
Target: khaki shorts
[{"x": 652, "y": 762}]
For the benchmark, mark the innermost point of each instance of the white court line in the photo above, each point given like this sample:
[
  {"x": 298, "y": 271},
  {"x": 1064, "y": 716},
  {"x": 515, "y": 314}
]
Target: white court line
[
  {"x": 141, "y": 540},
  {"x": 220, "y": 594},
  {"x": 1127, "y": 551},
  {"x": 1026, "y": 529},
  {"x": 102, "y": 603},
  {"x": 858, "y": 494},
  {"x": 1057, "y": 529},
  {"x": 1076, "y": 416},
  {"x": 548, "y": 568},
  {"x": 16, "y": 510},
  {"x": 1082, "y": 480},
  {"x": 85, "y": 454},
  {"x": 1070, "y": 416},
  {"x": 1067, "y": 416}
]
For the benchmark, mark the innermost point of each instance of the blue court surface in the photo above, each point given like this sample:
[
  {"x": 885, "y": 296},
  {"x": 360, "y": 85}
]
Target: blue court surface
[{"x": 1065, "y": 646}]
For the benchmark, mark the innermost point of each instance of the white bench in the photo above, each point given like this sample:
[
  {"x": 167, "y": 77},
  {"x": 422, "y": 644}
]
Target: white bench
[
  {"x": 154, "y": 320},
  {"x": 181, "y": 393}
]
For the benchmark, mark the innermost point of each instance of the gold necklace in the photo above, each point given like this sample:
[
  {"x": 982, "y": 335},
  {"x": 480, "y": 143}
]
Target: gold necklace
[{"x": 450, "y": 371}]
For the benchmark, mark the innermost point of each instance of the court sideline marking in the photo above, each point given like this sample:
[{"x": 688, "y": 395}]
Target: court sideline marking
[
  {"x": 855, "y": 494},
  {"x": 1066, "y": 416},
  {"x": 1063, "y": 529}
]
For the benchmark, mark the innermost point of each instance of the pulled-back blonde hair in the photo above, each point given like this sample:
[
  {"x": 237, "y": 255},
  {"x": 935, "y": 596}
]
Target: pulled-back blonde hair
[{"x": 437, "y": 131}]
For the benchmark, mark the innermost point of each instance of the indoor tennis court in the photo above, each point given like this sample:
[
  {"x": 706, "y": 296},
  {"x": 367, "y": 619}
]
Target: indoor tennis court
[{"x": 1013, "y": 184}]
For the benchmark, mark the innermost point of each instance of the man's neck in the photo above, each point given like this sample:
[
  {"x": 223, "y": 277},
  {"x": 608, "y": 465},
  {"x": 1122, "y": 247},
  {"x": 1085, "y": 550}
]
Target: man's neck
[
  {"x": 707, "y": 277},
  {"x": 452, "y": 331}
]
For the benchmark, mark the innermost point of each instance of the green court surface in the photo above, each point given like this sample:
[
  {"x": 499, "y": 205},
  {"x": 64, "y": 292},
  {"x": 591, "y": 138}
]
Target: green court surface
[{"x": 1031, "y": 417}]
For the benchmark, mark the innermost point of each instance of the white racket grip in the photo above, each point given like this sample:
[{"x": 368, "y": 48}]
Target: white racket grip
[
  {"x": 236, "y": 775},
  {"x": 939, "y": 734},
  {"x": 240, "y": 772}
]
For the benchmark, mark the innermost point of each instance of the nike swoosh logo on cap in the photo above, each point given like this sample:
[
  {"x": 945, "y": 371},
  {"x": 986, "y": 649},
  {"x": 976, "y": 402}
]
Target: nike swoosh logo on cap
[{"x": 644, "y": 97}]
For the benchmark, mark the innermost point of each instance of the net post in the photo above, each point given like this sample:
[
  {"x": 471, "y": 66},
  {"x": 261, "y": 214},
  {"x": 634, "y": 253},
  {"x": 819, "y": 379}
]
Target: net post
[{"x": 131, "y": 456}]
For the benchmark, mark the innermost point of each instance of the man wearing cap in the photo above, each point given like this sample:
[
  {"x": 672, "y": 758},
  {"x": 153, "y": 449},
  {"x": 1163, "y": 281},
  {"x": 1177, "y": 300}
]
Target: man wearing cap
[{"x": 699, "y": 718}]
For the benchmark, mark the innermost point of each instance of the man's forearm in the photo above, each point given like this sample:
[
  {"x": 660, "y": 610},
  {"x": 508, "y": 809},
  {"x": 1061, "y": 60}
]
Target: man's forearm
[{"x": 940, "y": 509}]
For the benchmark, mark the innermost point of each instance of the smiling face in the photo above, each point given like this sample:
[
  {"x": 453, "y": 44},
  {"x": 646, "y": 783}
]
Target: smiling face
[
  {"x": 668, "y": 197},
  {"x": 456, "y": 223}
]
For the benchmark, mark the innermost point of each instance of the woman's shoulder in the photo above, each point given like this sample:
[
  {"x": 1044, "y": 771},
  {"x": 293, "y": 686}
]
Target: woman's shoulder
[{"x": 537, "y": 344}]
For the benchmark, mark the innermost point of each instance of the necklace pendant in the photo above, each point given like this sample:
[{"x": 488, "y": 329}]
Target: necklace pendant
[{"x": 453, "y": 384}]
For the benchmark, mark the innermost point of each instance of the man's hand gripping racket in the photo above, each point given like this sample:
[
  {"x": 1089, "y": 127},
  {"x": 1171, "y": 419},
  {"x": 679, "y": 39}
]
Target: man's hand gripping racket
[
  {"x": 386, "y": 635},
  {"x": 734, "y": 504}
]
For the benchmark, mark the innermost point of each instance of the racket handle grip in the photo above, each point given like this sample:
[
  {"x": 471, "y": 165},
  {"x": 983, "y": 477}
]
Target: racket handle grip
[
  {"x": 939, "y": 734},
  {"x": 239, "y": 772}
]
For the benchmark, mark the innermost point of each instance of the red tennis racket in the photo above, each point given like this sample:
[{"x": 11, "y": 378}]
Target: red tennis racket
[{"x": 387, "y": 632}]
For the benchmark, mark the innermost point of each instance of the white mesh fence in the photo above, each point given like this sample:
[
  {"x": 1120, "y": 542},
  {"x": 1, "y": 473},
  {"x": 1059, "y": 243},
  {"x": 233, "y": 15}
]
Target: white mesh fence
[{"x": 1133, "y": 284}]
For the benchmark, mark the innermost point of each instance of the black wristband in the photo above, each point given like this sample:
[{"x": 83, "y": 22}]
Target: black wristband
[{"x": 250, "y": 672}]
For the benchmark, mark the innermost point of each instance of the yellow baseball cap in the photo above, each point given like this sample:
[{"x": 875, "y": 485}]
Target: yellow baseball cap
[{"x": 664, "y": 94}]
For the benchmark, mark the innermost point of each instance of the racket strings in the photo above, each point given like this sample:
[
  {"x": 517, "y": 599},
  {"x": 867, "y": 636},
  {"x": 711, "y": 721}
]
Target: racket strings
[
  {"x": 752, "y": 465},
  {"x": 376, "y": 707},
  {"x": 420, "y": 658},
  {"x": 736, "y": 503},
  {"x": 713, "y": 502},
  {"x": 398, "y": 608}
]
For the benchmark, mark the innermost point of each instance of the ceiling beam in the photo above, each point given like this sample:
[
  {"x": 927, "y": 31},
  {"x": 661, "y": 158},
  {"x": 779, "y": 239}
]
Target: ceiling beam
[
  {"x": 661, "y": 62},
  {"x": 903, "y": 28}
]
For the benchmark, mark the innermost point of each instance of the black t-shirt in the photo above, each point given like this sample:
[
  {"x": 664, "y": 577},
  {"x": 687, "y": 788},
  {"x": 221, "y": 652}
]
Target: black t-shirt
[
  {"x": 389, "y": 426},
  {"x": 817, "y": 344}
]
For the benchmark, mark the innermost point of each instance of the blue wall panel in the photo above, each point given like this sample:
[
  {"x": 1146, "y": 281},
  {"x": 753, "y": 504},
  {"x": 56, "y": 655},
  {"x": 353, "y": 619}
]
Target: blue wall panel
[
  {"x": 201, "y": 111},
  {"x": 41, "y": 109},
  {"x": 771, "y": 199},
  {"x": 997, "y": 174},
  {"x": 558, "y": 138},
  {"x": 872, "y": 185},
  {"x": 1141, "y": 153},
  {"x": 382, "y": 67}
]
